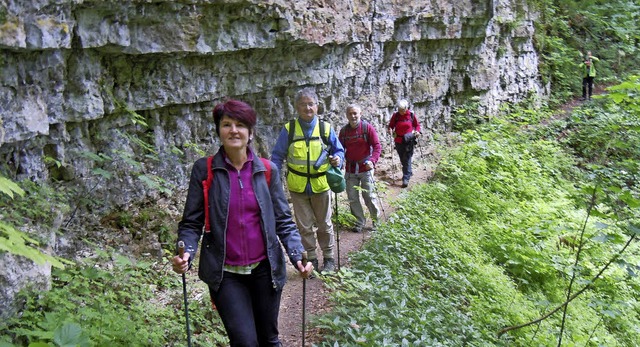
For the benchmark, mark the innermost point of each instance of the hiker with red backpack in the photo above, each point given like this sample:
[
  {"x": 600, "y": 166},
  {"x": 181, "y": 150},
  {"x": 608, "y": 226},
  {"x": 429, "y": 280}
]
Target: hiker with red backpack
[
  {"x": 304, "y": 143},
  {"x": 405, "y": 129},
  {"x": 246, "y": 220},
  {"x": 362, "y": 151}
]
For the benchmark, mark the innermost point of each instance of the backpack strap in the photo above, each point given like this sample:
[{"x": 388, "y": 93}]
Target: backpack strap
[
  {"x": 206, "y": 184},
  {"x": 365, "y": 130},
  {"x": 292, "y": 131},
  {"x": 324, "y": 131},
  {"x": 267, "y": 174}
]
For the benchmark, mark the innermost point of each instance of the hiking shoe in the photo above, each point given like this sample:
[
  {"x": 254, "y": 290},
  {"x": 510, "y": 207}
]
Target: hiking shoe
[
  {"x": 405, "y": 183},
  {"x": 356, "y": 229},
  {"x": 329, "y": 265}
]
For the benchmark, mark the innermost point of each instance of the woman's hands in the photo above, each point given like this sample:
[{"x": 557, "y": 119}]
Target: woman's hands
[
  {"x": 181, "y": 264},
  {"x": 305, "y": 271}
]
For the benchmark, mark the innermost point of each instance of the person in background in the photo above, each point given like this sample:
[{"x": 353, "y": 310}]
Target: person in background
[
  {"x": 588, "y": 68},
  {"x": 241, "y": 259},
  {"x": 405, "y": 129},
  {"x": 362, "y": 151},
  {"x": 301, "y": 147}
]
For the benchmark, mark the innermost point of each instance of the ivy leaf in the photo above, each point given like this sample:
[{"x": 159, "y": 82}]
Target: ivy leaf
[
  {"x": 602, "y": 238},
  {"x": 634, "y": 229},
  {"x": 596, "y": 213},
  {"x": 630, "y": 200},
  {"x": 69, "y": 335},
  {"x": 600, "y": 225}
]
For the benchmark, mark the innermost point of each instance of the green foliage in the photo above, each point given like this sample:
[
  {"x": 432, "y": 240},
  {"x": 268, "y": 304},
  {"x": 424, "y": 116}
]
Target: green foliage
[
  {"x": 467, "y": 116},
  {"x": 492, "y": 242},
  {"x": 9, "y": 188},
  {"x": 38, "y": 204},
  {"x": 342, "y": 213},
  {"x": 141, "y": 220},
  {"x": 112, "y": 301},
  {"x": 570, "y": 28},
  {"x": 119, "y": 164},
  {"x": 193, "y": 147},
  {"x": 16, "y": 242},
  {"x": 626, "y": 94},
  {"x": 27, "y": 204}
]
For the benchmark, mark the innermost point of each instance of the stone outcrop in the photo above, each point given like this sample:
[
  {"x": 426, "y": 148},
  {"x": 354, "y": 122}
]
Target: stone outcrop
[{"x": 112, "y": 76}]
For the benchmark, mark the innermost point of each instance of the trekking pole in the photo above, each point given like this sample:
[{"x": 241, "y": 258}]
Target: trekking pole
[
  {"x": 335, "y": 228},
  {"x": 424, "y": 143},
  {"x": 421, "y": 152},
  {"x": 304, "y": 297},
  {"x": 375, "y": 191},
  {"x": 184, "y": 293},
  {"x": 422, "y": 157},
  {"x": 393, "y": 163}
]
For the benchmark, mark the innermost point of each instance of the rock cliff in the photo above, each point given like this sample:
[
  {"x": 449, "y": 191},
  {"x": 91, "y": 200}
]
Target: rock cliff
[{"x": 128, "y": 86}]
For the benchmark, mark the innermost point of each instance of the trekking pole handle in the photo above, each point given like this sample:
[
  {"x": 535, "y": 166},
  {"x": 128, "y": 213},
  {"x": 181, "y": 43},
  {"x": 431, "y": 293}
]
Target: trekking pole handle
[
  {"x": 304, "y": 259},
  {"x": 181, "y": 248}
]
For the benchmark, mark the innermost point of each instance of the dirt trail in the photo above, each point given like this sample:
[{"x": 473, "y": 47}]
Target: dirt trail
[{"x": 388, "y": 171}]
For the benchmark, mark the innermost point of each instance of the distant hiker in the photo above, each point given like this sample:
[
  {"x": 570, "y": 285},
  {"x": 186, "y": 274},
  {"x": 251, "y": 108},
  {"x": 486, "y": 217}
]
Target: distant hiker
[
  {"x": 304, "y": 143},
  {"x": 362, "y": 151},
  {"x": 240, "y": 259},
  {"x": 405, "y": 130},
  {"x": 588, "y": 69}
]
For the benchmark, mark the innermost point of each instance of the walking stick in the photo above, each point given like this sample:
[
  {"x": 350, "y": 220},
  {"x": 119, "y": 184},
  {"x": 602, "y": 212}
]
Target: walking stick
[
  {"x": 336, "y": 229},
  {"x": 393, "y": 163},
  {"x": 304, "y": 298},
  {"x": 184, "y": 292},
  {"x": 421, "y": 152},
  {"x": 375, "y": 191}
]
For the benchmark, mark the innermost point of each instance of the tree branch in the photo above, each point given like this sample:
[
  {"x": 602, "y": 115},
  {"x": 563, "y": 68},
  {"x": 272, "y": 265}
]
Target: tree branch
[{"x": 576, "y": 294}]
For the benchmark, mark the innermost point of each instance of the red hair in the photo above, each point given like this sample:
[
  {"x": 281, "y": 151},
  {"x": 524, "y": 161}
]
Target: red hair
[{"x": 235, "y": 109}]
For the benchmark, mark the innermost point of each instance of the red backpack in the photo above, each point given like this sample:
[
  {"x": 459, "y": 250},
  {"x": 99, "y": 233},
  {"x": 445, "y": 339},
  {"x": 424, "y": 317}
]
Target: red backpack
[{"x": 206, "y": 184}]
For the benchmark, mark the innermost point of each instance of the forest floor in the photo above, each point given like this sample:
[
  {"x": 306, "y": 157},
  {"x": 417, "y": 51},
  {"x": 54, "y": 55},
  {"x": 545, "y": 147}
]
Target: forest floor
[{"x": 388, "y": 170}]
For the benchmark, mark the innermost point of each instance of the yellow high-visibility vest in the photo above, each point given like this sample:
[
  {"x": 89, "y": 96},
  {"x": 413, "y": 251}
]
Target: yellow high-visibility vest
[{"x": 301, "y": 156}]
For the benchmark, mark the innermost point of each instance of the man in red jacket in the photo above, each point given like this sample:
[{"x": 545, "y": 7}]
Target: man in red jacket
[
  {"x": 362, "y": 151},
  {"x": 405, "y": 129}
]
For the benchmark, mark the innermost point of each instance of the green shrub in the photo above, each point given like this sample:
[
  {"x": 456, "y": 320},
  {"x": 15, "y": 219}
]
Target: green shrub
[{"x": 113, "y": 301}]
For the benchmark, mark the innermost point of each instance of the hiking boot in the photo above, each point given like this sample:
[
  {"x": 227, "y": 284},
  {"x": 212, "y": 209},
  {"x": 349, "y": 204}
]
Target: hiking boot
[
  {"x": 405, "y": 183},
  {"x": 329, "y": 265},
  {"x": 356, "y": 229}
]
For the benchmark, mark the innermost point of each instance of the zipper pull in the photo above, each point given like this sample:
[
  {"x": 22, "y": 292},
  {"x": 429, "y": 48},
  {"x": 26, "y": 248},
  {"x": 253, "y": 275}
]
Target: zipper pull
[{"x": 240, "y": 180}]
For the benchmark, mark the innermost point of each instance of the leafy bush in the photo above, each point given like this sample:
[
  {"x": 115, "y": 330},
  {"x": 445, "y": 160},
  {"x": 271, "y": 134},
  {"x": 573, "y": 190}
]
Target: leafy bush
[
  {"x": 17, "y": 207},
  {"x": 569, "y": 28},
  {"x": 112, "y": 301},
  {"x": 508, "y": 225}
]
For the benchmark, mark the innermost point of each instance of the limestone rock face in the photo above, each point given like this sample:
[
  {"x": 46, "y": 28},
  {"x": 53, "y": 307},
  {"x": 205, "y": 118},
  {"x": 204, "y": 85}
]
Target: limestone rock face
[
  {"x": 70, "y": 61},
  {"x": 127, "y": 86}
]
